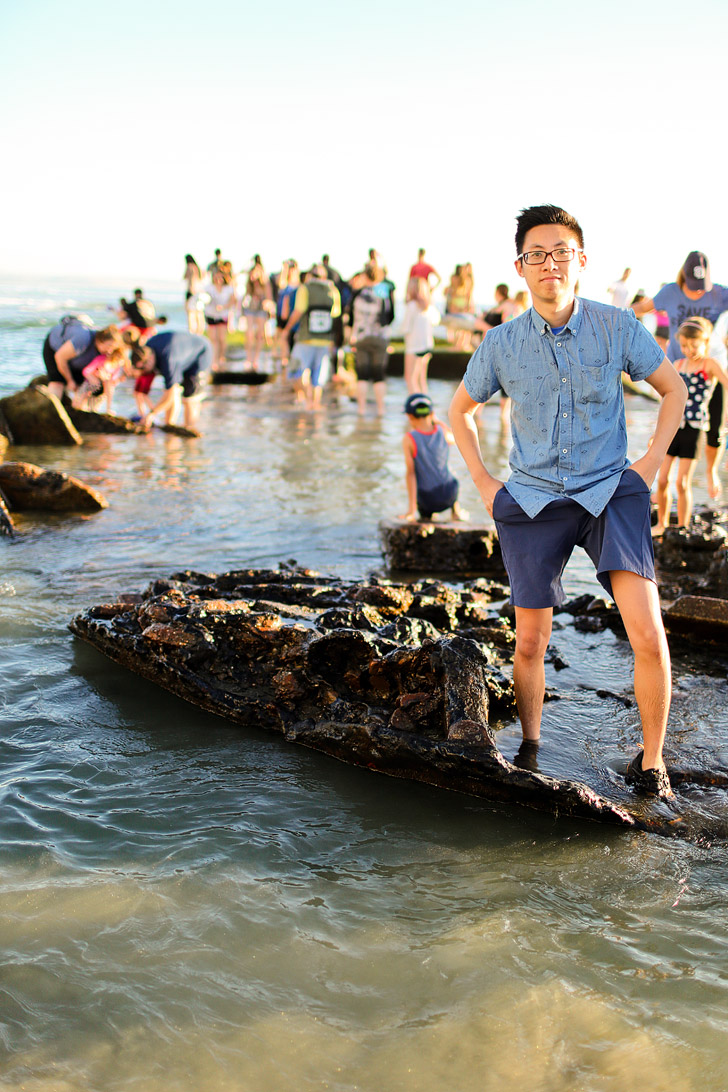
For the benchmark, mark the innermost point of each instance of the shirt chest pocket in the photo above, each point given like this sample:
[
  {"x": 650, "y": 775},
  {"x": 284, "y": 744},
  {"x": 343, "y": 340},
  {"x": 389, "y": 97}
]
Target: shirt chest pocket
[{"x": 597, "y": 383}]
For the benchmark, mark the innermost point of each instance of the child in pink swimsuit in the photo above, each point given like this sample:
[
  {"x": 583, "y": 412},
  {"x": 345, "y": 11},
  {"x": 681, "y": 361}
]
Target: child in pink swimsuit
[{"x": 100, "y": 377}]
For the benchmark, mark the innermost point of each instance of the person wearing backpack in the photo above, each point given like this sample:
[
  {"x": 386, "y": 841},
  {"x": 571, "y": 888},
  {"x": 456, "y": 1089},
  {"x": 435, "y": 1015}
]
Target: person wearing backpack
[
  {"x": 317, "y": 305},
  {"x": 372, "y": 312},
  {"x": 72, "y": 344}
]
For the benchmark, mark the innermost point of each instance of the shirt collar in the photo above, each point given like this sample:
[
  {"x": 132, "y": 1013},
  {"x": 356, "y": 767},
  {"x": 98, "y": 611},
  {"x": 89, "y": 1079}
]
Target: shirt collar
[{"x": 543, "y": 327}]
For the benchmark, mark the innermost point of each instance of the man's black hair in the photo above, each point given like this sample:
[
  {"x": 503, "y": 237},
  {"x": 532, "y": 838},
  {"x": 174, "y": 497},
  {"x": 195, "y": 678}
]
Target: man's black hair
[{"x": 538, "y": 215}]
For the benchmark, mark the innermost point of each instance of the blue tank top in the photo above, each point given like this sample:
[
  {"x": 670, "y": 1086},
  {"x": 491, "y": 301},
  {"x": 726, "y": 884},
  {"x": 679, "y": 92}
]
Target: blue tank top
[{"x": 431, "y": 456}]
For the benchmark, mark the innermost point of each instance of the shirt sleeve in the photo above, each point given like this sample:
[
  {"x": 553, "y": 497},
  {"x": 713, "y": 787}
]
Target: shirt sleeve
[
  {"x": 79, "y": 336},
  {"x": 643, "y": 355},
  {"x": 480, "y": 379},
  {"x": 663, "y": 298}
]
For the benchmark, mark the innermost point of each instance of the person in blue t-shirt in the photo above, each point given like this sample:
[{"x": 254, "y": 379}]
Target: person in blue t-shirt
[
  {"x": 693, "y": 295},
  {"x": 180, "y": 358},
  {"x": 571, "y": 482},
  {"x": 69, "y": 346}
]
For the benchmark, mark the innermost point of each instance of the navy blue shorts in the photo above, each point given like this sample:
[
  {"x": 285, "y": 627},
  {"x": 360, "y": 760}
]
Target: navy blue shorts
[
  {"x": 437, "y": 500},
  {"x": 535, "y": 551}
]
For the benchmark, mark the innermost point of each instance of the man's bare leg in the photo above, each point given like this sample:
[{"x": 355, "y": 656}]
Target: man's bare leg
[
  {"x": 533, "y": 631},
  {"x": 191, "y": 410},
  {"x": 639, "y": 606},
  {"x": 174, "y": 407}
]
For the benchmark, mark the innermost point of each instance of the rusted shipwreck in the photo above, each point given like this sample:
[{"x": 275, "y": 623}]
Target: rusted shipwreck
[{"x": 404, "y": 679}]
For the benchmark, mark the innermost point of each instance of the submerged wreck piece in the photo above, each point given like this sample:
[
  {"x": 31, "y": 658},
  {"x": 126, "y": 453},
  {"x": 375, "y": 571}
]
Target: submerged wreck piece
[
  {"x": 180, "y": 430},
  {"x": 7, "y": 527},
  {"x": 698, "y": 612},
  {"x": 35, "y": 416},
  {"x": 26, "y": 486},
  {"x": 450, "y": 547},
  {"x": 6, "y": 437},
  {"x": 92, "y": 421},
  {"x": 370, "y": 673},
  {"x": 692, "y": 567},
  {"x": 247, "y": 377}
]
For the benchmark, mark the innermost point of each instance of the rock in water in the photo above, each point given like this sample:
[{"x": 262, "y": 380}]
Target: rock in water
[
  {"x": 359, "y": 671},
  {"x": 91, "y": 421},
  {"x": 6, "y": 436},
  {"x": 35, "y": 416},
  {"x": 450, "y": 547},
  {"x": 249, "y": 378},
  {"x": 180, "y": 430},
  {"x": 6, "y": 523},
  {"x": 702, "y": 614},
  {"x": 694, "y": 561},
  {"x": 27, "y": 486}
]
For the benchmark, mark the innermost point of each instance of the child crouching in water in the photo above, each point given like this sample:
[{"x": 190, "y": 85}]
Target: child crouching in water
[
  {"x": 430, "y": 485},
  {"x": 700, "y": 372},
  {"x": 101, "y": 377}
]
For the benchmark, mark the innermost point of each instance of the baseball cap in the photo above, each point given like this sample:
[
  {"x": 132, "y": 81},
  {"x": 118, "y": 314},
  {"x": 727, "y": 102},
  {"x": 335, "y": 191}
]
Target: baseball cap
[
  {"x": 697, "y": 272},
  {"x": 419, "y": 405}
]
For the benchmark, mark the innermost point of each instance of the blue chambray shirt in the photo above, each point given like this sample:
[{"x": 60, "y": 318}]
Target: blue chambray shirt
[{"x": 567, "y": 411}]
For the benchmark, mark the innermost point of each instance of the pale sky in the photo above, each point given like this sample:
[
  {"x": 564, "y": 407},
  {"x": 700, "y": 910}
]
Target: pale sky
[{"x": 135, "y": 133}]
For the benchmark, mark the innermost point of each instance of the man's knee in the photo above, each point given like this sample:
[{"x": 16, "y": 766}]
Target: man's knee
[
  {"x": 532, "y": 642},
  {"x": 648, "y": 640}
]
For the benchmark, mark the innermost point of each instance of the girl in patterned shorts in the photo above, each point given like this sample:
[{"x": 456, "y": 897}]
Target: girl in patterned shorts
[{"x": 700, "y": 373}]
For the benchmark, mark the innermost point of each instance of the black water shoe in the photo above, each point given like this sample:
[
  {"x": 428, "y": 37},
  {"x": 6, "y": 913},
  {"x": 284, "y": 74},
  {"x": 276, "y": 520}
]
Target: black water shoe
[
  {"x": 654, "y": 782},
  {"x": 526, "y": 757}
]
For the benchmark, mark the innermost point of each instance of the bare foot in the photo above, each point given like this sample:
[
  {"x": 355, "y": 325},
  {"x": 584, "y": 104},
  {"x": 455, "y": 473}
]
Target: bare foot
[
  {"x": 714, "y": 487},
  {"x": 658, "y": 530},
  {"x": 459, "y": 514}
]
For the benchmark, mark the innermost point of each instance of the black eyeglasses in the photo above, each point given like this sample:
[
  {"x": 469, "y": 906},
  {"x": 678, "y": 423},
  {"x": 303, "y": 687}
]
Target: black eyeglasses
[{"x": 538, "y": 257}]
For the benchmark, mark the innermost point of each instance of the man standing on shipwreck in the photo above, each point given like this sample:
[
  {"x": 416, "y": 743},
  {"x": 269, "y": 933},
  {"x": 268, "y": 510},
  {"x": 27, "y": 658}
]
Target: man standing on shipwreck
[{"x": 571, "y": 483}]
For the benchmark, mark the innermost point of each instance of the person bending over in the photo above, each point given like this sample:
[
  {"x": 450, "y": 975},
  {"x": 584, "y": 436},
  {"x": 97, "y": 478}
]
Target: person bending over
[{"x": 180, "y": 358}]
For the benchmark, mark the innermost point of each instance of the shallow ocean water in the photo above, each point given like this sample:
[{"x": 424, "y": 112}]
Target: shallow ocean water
[{"x": 187, "y": 905}]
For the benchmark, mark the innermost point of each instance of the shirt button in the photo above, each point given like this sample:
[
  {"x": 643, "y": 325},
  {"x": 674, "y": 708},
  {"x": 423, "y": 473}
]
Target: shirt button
[
  {"x": 564, "y": 415},
  {"x": 558, "y": 344},
  {"x": 563, "y": 451},
  {"x": 563, "y": 380}
]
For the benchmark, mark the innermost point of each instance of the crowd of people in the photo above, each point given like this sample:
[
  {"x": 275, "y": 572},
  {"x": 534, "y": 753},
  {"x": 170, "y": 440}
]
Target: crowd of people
[
  {"x": 555, "y": 359},
  {"x": 314, "y": 327}
]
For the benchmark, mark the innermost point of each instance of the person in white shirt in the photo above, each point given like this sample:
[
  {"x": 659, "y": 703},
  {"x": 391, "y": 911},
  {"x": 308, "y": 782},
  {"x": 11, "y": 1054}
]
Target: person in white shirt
[{"x": 620, "y": 290}]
